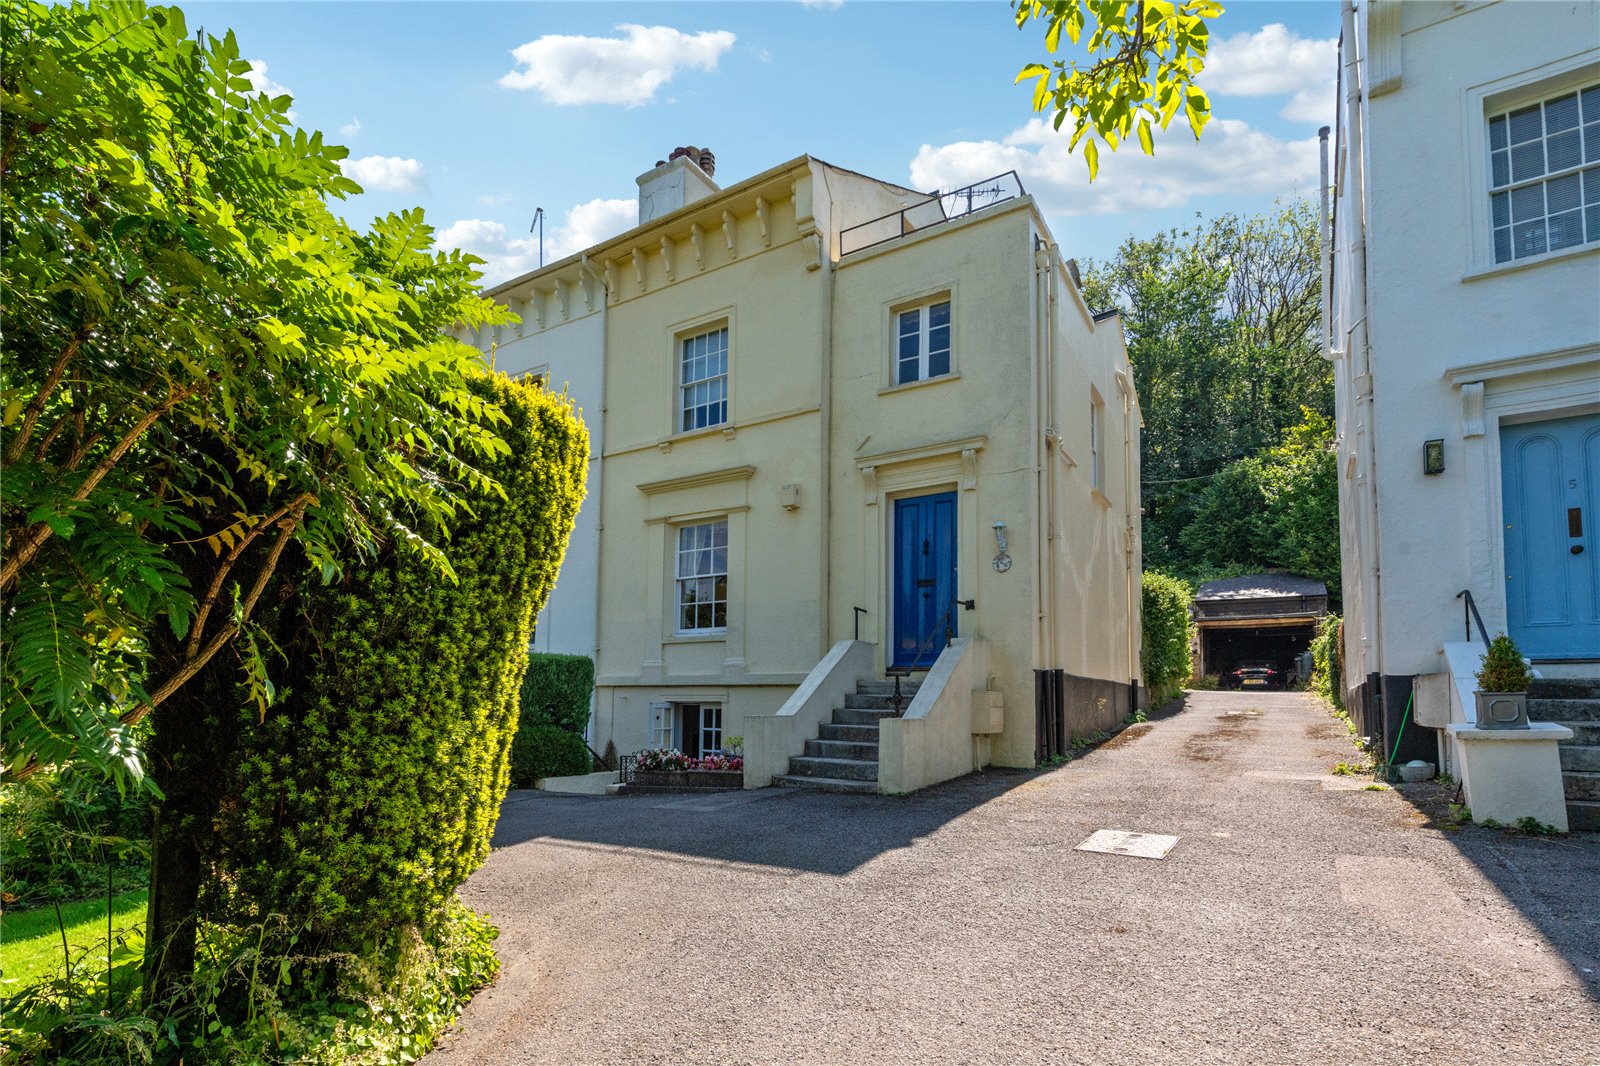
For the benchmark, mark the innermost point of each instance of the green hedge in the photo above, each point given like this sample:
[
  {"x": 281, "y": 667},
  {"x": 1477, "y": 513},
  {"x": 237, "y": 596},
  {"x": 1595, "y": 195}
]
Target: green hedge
[
  {"x": 368, "y": 792},
  {"x": 556, "y": 691},
  {"x": 1327, "y": 660},
  {"x": 1165, "y": 614},
  {"x": 546, "y": 751}
]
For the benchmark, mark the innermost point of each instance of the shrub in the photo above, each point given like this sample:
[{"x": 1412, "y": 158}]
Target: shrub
[
  {"x": 362, "y": 799},
  {"x": 1165, "y": 613},
  {"x": 1327, "y": 660},
  {"x": 63, "y": 832},
  {"x": 556, "y": 691},
  {"x": 1503, "y": 669},
  {"x": 546, "y": 751}
]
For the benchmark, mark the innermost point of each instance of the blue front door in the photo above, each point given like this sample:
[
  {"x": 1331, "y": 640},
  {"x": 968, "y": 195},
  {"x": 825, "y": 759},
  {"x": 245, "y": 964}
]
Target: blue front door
[
  {"x": 924, "y": 584},
  {"x": 1550, "y": 481}
]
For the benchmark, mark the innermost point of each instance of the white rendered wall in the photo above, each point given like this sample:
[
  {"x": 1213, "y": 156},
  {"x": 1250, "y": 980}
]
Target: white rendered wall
[{"x": 1458, "y": 345}]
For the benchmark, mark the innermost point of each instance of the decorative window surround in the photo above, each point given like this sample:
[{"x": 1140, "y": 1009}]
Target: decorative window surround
[
  {"x": 923, "y": 341},
  {"x": 703, "y": 379}
]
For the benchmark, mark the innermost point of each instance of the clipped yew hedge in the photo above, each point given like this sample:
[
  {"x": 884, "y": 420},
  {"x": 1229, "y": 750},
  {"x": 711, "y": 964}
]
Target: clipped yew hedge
[
  {"x": 368, "y": 792},
  {"x": 556, "y": 691},
  {"x": 1165, "y": 615}
]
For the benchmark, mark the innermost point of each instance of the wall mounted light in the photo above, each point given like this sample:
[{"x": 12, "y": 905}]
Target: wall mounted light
[
  {"x": 1002, "y": 561},
  {"x": 1433, "y": 457}
]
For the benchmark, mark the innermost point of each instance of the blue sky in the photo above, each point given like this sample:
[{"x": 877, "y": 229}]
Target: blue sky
[{"x": 481, "y": 113}]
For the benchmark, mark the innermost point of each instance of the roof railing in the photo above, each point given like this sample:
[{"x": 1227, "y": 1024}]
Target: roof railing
[{"x": 939, "y": 207}]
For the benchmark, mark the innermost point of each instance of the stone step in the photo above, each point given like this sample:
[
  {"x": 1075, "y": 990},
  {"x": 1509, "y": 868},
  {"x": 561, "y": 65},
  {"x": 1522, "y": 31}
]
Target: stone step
[
  {"x": 824, "y": 784},
  {"x": 1583, "y": 733},
  {"x": 1565, "y": 688},
  {"x": 1583, "y": 817},
  {"x": 1580, "y": 758},
  {"x": 886, "y": 688},
  {"x": 1551, "y": 710},
  {"x": 876, "y": 701},
  {"x": 1579, "y": 786},
  {"x": 860, "y": 716},
  {"x": 845, "y": 749},
  {"x": 848, "y": 769},
  {"x": 860, "y": 734}
]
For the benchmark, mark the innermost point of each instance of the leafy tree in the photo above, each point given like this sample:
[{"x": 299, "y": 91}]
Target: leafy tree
[
  {"x": 1143, "y": 56},
  {"x": 202, "y": 366},
  {"x": 1221, "y": 324}
]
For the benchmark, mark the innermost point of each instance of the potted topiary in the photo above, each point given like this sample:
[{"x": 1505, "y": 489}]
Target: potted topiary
[{"x": 1503, "y": 680}]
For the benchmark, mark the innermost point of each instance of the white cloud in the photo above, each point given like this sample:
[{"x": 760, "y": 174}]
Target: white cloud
[
  {"x": 386, "y": 173},
  {"x": 265, "y": 86},
  {"x": 1275, "y": 61},
  {"x": 351, "y": 128},
  {"x": 1229, "y": 158},
  {"x": 507, "y": 255},
  {"x": 494, "y": 199},
  {"x": 827, "y": 5},
  {"x": 624, "y": 70}
]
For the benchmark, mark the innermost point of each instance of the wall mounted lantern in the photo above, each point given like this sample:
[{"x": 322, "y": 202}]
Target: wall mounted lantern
[
  {"x": 1433, "y": 457},
  {"x": 1002, "y": 561}
]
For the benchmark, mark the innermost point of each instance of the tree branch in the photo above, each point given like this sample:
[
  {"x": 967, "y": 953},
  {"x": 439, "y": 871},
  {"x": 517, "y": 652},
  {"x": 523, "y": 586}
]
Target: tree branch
[
  {"x": 295, "y": 505},
  {"x": 36, "y": 408}
]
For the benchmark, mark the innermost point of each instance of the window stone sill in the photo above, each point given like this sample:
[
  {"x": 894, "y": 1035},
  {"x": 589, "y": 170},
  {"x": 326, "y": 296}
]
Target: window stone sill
[
  {"x": 1528, "y": 264},
  {"x": 924, "y": 383}
]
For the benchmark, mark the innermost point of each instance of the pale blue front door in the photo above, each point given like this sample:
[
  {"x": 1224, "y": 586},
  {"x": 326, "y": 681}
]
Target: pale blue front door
[
  {"x": 924, "y": 585},
  {"x": 1550, "y": 482}
]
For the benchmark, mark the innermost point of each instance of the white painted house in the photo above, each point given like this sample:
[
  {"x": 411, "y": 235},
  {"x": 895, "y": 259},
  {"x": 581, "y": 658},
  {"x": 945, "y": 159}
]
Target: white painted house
[{"x": 1464, "y": 305}]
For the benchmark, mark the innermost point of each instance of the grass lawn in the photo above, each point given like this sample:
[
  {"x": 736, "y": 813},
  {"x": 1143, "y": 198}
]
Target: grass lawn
[{"x": 30, "y": 940}]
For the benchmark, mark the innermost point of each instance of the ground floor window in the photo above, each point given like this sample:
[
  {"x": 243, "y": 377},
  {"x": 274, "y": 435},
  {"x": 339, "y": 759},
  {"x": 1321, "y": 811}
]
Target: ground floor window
[{"x": 700, "y": 729}]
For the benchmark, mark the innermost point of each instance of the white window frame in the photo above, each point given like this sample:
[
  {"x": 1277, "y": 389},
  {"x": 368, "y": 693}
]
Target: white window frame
[
  {"x": 1506, "y": 197},
  {"x": 923, "y": 309},
  {"x": 1097, "y": 408},
  {"x": 1500, "y": 96},
  {"x": 661, "y": 725},
  {"x": 696, "y": 563},
  {"x": 709, "y": 715},
  {"x": 689, "y": 400}
]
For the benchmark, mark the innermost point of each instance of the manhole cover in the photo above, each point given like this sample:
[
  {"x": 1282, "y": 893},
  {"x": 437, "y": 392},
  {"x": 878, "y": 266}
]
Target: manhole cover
[{"x": 1118, "y": 842}]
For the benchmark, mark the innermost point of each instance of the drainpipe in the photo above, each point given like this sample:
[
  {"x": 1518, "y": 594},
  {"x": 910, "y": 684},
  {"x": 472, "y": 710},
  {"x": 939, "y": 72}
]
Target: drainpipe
[
  {"x": 1325, "y": 246},
  {"x": 1051, "y": 522},
  {"x": 1358, "y": 348},
  {"x": 825, "y": 418},
  {"x": 1130, "y": 507},
  {"x": 1036, "y": 435}
]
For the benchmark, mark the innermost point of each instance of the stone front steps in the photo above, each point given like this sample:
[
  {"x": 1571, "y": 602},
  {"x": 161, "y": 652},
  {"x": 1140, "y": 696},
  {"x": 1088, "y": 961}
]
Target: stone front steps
[
  {"x": 844, "y": 757},
  {"x": 1575, "y": 703}
]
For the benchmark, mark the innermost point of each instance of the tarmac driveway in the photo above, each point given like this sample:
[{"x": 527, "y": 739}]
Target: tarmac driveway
[{"x": 1299, "y": 919}]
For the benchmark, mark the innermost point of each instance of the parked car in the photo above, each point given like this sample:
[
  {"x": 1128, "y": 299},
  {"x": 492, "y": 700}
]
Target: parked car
[{"x": 1254, "y": 673}]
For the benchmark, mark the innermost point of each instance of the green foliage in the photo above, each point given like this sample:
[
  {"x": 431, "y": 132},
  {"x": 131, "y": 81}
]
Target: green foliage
[
  {"x": 1142, "y": 60},
  {"x": 556, "y": 691},
  {"x": 1222, "y": 329},
  {"x": 1502, "y": 668},
  {"x": 546, "y": 751},
  {"x": 1327, "y": 660},
  {"x": 202, "y": 364},
  {"x": 246, "y": 1005},
  {"x": 362, "y": 799},
  {"x": 1278, "y": 510},
  {"x": 63, "y": 834},
  {"x": 1167, "y": 632}
]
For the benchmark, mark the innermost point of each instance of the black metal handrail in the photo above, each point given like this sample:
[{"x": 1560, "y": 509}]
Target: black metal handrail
[
  {"x": 937, "y": 208},
  {"x": 948, "y": 624},
  {"x": 626, "y": 766},
  {"x": 1470, "y": 615}
]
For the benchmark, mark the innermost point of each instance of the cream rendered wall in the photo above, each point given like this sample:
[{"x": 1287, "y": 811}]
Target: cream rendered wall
[
  {"x": 974, "y": 431},
  {"x": 1457, "y": 343},
  {"x": 772, "y": 294}
]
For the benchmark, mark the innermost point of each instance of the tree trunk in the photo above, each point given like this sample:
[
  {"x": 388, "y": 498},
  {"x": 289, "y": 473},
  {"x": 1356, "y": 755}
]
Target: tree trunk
[{"x": 171, "y": 921}]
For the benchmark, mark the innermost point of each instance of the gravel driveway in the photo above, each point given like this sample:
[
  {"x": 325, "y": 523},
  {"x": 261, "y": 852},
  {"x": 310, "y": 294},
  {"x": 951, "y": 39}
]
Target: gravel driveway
[{"x": 1298, "y": 919}]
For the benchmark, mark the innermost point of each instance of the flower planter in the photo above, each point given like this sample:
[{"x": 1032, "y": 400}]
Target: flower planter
[
  {"x": 1502, "y": 710},
  {"x": 689, "y": 778}
]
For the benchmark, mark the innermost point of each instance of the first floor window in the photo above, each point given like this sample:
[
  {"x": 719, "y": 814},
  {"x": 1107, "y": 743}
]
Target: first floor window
[
  {"x": 1096, "y": 416},
  {"x": 922, "y": 346},
  {"x": 702, "y": 572},
  {"x": 703, "y": 380},
  {"x": 1544, "y": 175}
]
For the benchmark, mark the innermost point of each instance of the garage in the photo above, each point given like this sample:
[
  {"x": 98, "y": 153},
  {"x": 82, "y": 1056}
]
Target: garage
[{"x": 1268, "y": 618}]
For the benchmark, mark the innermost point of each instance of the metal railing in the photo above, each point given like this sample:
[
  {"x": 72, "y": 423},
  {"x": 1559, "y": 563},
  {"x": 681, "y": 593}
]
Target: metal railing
[
  {"x": 937, "y": 208},
  {"x": 1470, "y": 615},
  {"x": 627, "y": 765}
]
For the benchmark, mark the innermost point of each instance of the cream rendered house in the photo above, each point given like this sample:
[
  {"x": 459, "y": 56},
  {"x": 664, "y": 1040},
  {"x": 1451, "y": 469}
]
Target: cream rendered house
[
  {"x": 850, "y": 429},
  {"x": 1465, "y": 334}
]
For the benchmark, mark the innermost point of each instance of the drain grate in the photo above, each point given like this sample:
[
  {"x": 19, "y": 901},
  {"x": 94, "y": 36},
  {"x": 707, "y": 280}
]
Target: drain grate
[{"x": 1119, "y": 842}]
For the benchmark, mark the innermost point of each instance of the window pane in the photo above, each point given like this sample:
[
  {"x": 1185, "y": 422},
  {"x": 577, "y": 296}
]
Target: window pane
[
  {"x": 1561, "y": 113},
  {"x": 1502, "y": 245},
  {"x": 939, "y": 339},
  {"x": 1564, "y": 150},
  {"x": 1529, "y": 240},
  {"x": 1497, "y": 132},
  {"x": 908, "y": 346},
  {"x": 1563, "y": 194},
  {"x": 910, "y": 322},
  {"x": 1502, "y": 169},
  {"x": 1592, "y": 221},
  {"x": 939, "y": 314},
  {"x": 1591, "y": 143},
  {"x": 908, "y": 371},
  {"x": 1501, "y": 205},
  {"x": 1525, "y": 124},
  {"x": 938, "y": 363},
  {"x": 1527, "y": 161},
  {"x": 1591, "y": 186},
  {"x": 1527, "y": 203},
  {"x": 1566, "y": 230},
  {"x": 1591, "y": 104}
]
